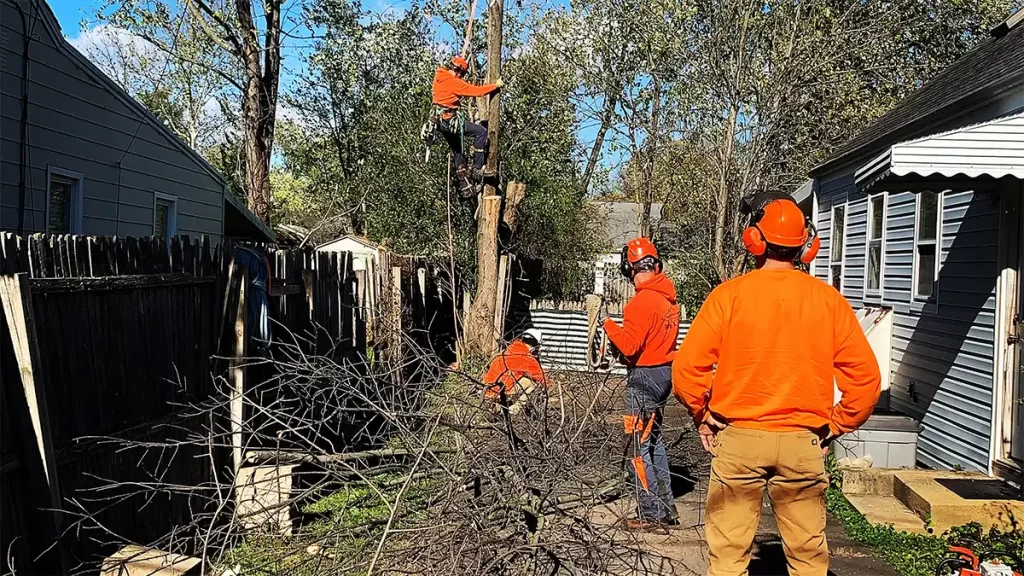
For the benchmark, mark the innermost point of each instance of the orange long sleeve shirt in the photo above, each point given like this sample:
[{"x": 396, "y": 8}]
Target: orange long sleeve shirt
[
  {"x": 448, "y": 89},
  {"x": 764, "y": 349},
  {"x": 510, "y": 366},
  {"x": 650, "y": 324}
]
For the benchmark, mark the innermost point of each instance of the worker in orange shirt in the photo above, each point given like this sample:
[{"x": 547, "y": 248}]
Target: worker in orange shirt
[
  {"x": 756, "y": 371},
  {"x": 646, "y": 343},
  {"x": 516, "y": 372},
  {"x": 448, "y": 90}
]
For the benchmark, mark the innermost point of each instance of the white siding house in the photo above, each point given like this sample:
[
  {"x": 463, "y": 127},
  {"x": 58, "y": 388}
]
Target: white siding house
[
  {"x": 920, "y": 214},
  {"x": 80, "y": 156}
]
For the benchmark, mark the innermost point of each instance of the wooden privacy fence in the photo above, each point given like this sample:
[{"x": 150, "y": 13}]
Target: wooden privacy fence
[{"x": 105, "y": 337}]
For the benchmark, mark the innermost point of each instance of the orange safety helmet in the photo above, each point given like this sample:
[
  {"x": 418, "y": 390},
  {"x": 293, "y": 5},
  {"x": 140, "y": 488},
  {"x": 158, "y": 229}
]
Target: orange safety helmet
[
  {"x": 634, "y": 251},
  {"x": 780, "y": 222},
  {"x": 460, "y": 63}
]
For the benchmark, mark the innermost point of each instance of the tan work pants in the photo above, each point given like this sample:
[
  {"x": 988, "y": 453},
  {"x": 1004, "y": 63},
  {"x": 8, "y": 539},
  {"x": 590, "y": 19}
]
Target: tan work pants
[{"x": 792, "y": 467}]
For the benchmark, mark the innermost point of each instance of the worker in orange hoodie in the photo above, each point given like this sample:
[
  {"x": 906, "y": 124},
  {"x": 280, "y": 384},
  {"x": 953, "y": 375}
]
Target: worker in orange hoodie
[
  {"x": 448, "y": 90},
  {"x": 516, "y": 372},
  {"x": 756, "y": 371},
  {"x": 646, "y": 343}
]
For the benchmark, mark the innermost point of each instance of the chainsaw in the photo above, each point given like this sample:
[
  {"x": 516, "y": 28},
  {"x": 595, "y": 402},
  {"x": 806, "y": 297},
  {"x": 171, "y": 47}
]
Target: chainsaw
[{"x": 967, "y": 563}]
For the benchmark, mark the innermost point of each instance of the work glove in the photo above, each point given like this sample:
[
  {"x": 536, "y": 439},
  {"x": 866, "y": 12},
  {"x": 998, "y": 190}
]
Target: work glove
[{"x": 499, "y": 83}]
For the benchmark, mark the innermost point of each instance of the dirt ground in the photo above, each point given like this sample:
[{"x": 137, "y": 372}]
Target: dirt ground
[{"x": 683, "y": 550}]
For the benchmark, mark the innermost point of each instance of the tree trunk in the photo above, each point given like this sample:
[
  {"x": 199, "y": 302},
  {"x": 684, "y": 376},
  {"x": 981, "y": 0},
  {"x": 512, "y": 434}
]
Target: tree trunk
[
  {"x": 723, "y": 196},
  {"x": 481, "y": 336}
]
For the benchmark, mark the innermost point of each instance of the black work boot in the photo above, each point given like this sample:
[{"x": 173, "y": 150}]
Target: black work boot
[{"x": 480, "y": 171}]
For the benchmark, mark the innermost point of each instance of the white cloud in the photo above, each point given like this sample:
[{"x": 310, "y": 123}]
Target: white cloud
[{"x": 109, "y": 46}]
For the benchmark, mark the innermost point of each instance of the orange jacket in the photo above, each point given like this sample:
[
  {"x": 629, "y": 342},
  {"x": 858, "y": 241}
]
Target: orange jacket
[
  {"x": 650, "y": 324},
  {"x": 448, "y": 89},
  {"x": 766, "y": 346},
  {"x": 510, "y": 366}
]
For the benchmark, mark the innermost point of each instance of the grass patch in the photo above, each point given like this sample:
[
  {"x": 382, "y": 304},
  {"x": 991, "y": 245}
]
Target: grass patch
[{"x": 350, "y": 525}]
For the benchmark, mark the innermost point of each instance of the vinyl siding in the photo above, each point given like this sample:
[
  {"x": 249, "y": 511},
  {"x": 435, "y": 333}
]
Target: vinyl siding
[
  {"x": 78, "y": 122},
  {"x": 943, "y": 350}
]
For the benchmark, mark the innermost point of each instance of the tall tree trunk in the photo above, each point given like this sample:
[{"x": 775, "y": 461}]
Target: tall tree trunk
[
  {"x": 607, "y": 113},
  {"x": 647, "y": 189},
  {"x": 481, "y": 335},
  {"x": 721, "y": 266}
]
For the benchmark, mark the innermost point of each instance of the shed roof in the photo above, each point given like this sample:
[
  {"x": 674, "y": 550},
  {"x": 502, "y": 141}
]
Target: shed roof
[
  {"x": 616, "y": 223},
  {"x": 981, "y": 75}
]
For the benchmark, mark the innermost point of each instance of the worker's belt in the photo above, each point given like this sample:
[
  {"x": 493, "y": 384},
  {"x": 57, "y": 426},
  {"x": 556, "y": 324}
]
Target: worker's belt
[{"x": 445, "y": 113}]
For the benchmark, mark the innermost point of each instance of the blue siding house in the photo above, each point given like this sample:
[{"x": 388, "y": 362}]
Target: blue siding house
[{"x": 921, "y": 214}]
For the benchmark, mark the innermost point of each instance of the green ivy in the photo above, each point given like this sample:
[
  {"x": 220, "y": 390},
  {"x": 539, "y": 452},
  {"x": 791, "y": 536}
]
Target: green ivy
[{"x": 909, "y": 554}]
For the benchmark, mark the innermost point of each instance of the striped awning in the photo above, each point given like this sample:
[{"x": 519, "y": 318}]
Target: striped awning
[{"x": 994, "y": 148}]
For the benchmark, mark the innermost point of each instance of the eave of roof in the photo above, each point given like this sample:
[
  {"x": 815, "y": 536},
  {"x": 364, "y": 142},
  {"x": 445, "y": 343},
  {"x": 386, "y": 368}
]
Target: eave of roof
[
  {"x": 995, "y": 67},
  {"x": 52, "y": 26}
]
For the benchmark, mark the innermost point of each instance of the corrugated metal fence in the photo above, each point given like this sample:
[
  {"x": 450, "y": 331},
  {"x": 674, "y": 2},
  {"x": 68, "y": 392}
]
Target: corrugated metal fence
[{"x": 565, "y": 336}]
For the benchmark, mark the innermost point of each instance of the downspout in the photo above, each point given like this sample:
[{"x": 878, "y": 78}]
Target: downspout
[{"x": 22, "y": 191}]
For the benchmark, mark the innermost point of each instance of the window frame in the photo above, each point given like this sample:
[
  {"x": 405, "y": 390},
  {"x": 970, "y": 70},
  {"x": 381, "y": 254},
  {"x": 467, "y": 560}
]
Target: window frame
[
  {"x": 932, "y": 298},
  {"x": 875, "y": 292},
  {"x": 831, "y": 242},
  {"x": 172, "y": 220},
  {"x": 75, "y": 202}
]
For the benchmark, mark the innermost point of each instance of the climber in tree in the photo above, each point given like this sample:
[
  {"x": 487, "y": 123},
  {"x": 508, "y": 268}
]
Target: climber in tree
[{"x": 448, "y": 90}]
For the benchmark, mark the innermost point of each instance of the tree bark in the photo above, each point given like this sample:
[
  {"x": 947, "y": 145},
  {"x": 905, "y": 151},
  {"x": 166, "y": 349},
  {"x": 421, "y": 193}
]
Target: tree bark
[
  {"x": 481, "y": 338},
  {"x": 262, "y": 66}
]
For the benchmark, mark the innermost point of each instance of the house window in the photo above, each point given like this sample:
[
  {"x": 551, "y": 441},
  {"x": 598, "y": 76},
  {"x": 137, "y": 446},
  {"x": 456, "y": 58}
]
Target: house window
[
  {"x": 165, "y": 216},
  {"x": 64, "y": 201},
  {"x": 926, "y": 244},
  {"x": 876, "y": 233},
  {"x": 838, "y": 240}
]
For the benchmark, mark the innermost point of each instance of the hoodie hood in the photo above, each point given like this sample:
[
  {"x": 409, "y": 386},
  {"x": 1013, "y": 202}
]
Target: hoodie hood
[{"x": 660, "y": 284}]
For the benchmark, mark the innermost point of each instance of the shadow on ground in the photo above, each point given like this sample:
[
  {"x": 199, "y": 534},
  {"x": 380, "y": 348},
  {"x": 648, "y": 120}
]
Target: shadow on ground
[{"x": 769, "y": 558}]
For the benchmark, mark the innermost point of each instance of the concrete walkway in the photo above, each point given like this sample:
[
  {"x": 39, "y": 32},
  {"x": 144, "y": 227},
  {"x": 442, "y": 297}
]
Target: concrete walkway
[{"x": 683, "y": 550}]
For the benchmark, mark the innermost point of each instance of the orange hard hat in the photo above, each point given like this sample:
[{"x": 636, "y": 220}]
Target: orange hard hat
[
  {"x": 460, "y": 63},
  {"x": 783, "y": 224},
  {"x": 639, "y": 248},
  {"x": 634, "y": 251}
]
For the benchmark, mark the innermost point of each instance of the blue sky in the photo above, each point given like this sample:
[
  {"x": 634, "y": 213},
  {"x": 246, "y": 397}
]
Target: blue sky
[{"x": 72, "y": 14}]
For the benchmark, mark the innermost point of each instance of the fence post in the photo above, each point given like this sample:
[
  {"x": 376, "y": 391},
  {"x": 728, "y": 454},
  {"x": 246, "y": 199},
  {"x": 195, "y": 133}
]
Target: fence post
[
  {"x": 238, "y": 373},
  {"x": 17, "y": 303}
]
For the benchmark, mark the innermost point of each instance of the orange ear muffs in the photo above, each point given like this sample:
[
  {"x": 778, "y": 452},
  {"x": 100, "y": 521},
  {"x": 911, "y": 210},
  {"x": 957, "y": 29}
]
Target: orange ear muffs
[
  {"x": 753, "y": 241},
  {"x": 810, "y": 248}
]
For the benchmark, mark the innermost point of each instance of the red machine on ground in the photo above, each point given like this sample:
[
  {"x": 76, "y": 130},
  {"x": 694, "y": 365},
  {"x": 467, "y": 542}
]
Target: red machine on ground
[{"x": 967, "y": 563}]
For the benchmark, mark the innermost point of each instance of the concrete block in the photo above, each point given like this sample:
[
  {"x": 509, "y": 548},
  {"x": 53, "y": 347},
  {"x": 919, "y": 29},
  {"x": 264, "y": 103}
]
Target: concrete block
[
  {"x": 886, "y": 510},
  {"x": 919, "y": 491},
  {"x": 868, "y": 481},
  {"x": 263, "y": 496},
  {"x": 142, "y": 561}
]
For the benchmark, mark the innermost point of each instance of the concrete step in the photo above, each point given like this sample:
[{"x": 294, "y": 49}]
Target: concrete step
[
  {"x": 931, "y": 495},
  {"x": 940, "y": 499},
  {"x": 887, "y": 510}
]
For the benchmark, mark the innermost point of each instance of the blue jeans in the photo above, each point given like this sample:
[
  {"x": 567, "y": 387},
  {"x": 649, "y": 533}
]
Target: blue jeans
[{"x": 647, "y": 390}]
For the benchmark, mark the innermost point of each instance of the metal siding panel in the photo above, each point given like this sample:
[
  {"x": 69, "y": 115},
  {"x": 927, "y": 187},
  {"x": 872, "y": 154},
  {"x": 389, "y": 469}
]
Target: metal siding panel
[
  {"x": 946, "y": 353},
  {"x": 565, "y": 337},
  {"x": 78, "y": 123}
]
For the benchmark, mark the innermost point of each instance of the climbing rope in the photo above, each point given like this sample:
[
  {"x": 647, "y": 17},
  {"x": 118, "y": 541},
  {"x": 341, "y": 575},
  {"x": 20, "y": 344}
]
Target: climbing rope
[{"x": 598, "y": 352}]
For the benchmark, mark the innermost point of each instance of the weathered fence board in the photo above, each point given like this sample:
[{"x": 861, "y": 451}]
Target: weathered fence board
[{"x": 130, "y": 329}]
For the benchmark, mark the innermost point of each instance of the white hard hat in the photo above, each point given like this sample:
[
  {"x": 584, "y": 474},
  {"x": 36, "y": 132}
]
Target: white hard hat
[{"x": 534, "y": 334}]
